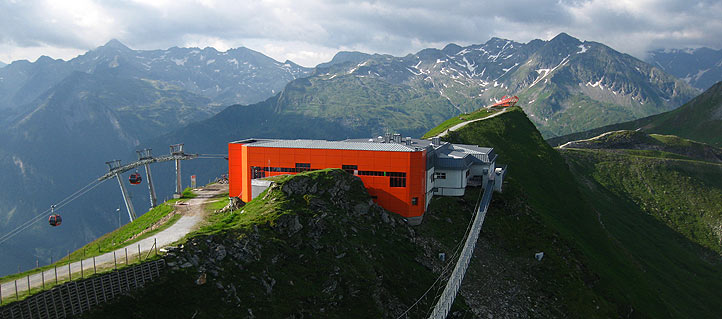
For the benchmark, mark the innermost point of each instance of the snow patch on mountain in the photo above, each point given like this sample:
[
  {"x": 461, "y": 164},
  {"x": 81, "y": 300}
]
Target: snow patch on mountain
[
  {"x": 470, "y": 66},
  {"x": 543, "y": 73},
  {"x": 180, "y": 61},
  {"x": 596, "y": 84}
]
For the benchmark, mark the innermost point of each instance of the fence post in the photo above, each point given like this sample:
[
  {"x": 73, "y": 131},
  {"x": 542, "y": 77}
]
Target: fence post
[
  {"x": 139, "y": 257},
  {"x": 95, "y": 270},
  {"x": 126, "y": 256},
  {"x": 155, "y": 244},
  {"x": 82, "y": 275},
  {"x": 28, "y": 284},
  {"x": 16, "y": 290},
  {"x": 70, "y": 277},
  {"x": 115, "y": 260},
  {"x": 56, "y": 274},
  {"x": 42, "y": 275},
  {"x": 1, "y": 294}
]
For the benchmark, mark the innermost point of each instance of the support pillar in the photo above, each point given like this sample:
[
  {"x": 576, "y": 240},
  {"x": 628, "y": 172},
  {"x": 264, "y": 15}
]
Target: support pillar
[
  {"x": 146, "y": 158},
  {"x": 177, "y": 150},
  {"x": 178, "y": 189},
  {"x": 151, "y": 188},
  {"x": 126, "y": 199}
]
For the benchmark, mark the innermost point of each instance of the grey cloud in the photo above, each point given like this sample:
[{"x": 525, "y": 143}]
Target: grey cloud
[{"x": 396, "y": 27}]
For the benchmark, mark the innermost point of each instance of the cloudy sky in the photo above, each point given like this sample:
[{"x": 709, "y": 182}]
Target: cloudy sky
[{"x": 312, "y": 31}]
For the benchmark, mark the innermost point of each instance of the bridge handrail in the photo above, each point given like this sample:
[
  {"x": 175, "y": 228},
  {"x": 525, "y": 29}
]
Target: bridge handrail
[{"x": 443, "y": 305}]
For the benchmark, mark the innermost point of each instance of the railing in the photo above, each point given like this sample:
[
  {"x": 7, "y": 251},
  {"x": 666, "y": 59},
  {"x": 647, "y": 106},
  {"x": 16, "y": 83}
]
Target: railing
[{"x": 443, "y": 305}]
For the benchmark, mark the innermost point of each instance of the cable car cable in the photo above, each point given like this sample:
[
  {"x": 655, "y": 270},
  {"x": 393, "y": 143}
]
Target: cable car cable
[{"x": 60, "y": 204}]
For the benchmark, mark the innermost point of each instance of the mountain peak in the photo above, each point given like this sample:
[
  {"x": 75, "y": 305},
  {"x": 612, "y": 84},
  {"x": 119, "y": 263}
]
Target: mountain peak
[
  {"x": 115, "y": 44},
  {"x": 451, "y": 48},
  {"x": 346, "y": 56},
  {"x": 44, "y": 59},
  {"x": 563, "y": 37}
]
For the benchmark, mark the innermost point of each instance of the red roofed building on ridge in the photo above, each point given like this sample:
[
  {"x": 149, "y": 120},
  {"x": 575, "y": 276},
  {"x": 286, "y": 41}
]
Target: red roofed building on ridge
[{"x": 400, "y": 175}]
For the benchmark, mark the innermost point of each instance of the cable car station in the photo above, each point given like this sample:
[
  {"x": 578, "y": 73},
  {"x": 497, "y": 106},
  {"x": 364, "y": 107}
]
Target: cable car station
[{"x": 400, "y": 175}]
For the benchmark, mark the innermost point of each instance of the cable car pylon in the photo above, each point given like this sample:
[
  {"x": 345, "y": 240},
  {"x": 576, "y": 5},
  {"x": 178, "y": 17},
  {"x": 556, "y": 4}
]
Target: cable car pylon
[
  {"x": 114, "y": 166},
  {"x": 144, "y": 159},
  {"x": 177, "y": 150},
  {"x": 143, "y": 156}
]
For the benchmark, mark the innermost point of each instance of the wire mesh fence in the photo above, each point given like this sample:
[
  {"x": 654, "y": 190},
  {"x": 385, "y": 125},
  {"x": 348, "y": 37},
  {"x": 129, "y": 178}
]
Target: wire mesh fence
[{"x": 21, "y": 285}]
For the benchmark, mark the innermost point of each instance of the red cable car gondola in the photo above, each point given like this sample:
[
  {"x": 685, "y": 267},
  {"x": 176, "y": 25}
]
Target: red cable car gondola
[
  {"x": 55, "y": 220},
  {"x": 135, "y": 178}
]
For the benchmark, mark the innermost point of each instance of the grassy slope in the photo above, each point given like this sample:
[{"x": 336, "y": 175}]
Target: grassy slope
[
  {"x": 699, "y": 119},
  {"x": 481, "y": 113},
  {"x": 654, "y": 145},
  {"x": 685, "y": 195},
  {"x": 640, "y": 276}
]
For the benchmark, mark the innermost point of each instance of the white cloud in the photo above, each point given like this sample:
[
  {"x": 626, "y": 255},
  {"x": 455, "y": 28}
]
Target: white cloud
[{"x": 311, "y": 31}]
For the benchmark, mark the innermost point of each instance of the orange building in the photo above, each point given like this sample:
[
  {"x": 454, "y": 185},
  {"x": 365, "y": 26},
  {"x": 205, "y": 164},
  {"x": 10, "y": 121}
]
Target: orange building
[{"x": 399, "y": 175}]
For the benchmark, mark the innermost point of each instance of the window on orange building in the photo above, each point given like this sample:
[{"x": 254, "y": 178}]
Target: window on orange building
[
  {"x": 350, "y": 168},
  {"x": 257, "y": 172},
  {"x": 303, "y": 167},
  {"x": 414, "y": 201},
  {"x": 396, "y": 179}
]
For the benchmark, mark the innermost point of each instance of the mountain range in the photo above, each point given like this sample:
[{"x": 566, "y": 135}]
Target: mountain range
[
  {"x": 701, "y": 67},
  {"x": 61, "y": 120},
  {"x": 565, "y": 85},
  {"x": 238, "y": 75}
]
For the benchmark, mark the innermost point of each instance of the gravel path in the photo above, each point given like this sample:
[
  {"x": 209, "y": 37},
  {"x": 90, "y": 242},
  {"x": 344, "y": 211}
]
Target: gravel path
[
  {"x": 462, "y": 124},
  {"x": 192, "y": 214}
]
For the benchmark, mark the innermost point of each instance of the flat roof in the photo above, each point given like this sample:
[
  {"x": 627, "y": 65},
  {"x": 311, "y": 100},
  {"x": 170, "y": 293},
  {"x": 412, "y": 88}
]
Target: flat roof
[
  {"x": 330, "y": 145},
  {"x": 445, "y": 150}
]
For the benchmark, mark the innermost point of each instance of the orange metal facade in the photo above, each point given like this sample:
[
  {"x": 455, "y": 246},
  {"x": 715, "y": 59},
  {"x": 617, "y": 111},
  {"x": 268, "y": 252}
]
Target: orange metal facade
[{"x": 375, "y": 168}]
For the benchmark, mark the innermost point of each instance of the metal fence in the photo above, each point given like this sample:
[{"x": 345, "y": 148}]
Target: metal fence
[
  {"x": 73, "y": 270},
  {"x": 75, "y": 297}
]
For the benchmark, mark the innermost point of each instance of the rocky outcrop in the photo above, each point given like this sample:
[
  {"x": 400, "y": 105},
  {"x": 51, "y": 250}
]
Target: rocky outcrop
[{"x": 322, "y": 245}]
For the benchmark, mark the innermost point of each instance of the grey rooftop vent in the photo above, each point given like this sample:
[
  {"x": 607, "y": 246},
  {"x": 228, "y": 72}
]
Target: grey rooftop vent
[{"x": 397, "y": 138}]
